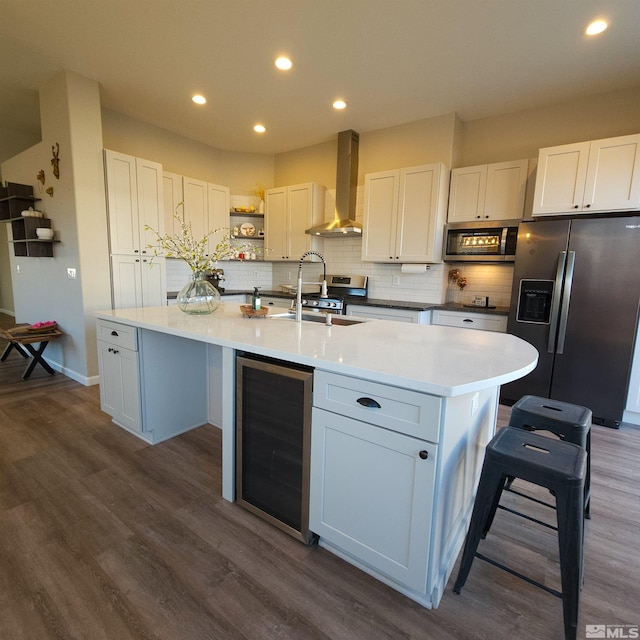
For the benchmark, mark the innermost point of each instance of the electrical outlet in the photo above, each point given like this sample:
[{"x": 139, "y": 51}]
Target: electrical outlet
[
  {"x": 255, "y": 275},
  {"x": 288, "y": 276},
  {"x": 17, "y": 268},
  {"x": 71, "y": 273},
  {"x": 395, "y": 281}
]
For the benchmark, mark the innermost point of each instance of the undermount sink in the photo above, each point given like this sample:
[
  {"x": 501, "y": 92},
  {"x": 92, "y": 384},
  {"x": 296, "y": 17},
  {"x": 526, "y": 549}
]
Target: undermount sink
[{"x": 316, "y": 317}]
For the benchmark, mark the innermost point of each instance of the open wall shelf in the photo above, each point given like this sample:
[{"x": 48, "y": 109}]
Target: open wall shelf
[{"x": 15, "y": 198}]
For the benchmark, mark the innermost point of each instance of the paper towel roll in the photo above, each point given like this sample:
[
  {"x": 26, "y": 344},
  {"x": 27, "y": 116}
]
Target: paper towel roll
[{"x": 414, "y": 268}]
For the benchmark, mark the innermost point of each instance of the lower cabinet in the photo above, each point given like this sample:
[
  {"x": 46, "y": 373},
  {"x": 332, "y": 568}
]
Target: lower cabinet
[
  {"x": 137, "y": 388},
  {"x": 386, "y": 313},
  {"x": 372, "y": 495},
  {"x": 393, "y": 477},
  {"x": 486, "y": 321},
  {"x": 119, "y": 374}
]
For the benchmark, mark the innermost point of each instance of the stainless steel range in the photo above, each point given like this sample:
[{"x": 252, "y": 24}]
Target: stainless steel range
[{"x": 340, "y": 289}]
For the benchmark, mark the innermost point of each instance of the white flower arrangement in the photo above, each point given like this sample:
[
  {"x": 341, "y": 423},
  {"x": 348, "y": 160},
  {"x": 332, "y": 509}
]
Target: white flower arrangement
[{"x": 194, "y": 252}]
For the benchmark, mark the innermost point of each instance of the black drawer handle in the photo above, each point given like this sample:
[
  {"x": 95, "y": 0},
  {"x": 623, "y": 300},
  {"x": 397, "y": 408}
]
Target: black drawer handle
[
  {"x": 423, "y": 454},
  {"x": 114, "y": 333},
  {"x": 369, "y": 402},
  {"x": 467, "y": 320}
]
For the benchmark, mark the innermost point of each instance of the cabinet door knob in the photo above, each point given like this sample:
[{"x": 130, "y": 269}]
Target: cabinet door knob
[
  {"x": 423, "y": 454},
  {"x": 369, "y": 402},
  {"x": 575, "y": 206},
  {"x": 587, "y": 206}
]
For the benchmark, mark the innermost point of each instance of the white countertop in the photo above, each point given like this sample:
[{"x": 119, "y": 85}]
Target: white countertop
[{"x": 443, "y": 361}]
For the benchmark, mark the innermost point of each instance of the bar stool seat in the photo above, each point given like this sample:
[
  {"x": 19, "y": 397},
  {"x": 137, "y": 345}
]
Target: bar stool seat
[
  {"x": 556, "y": 465},
  {"x": 569, "y": 422}
]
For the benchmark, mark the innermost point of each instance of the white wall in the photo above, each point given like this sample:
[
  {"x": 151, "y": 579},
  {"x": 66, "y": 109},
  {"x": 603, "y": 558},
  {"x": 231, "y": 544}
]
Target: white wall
[{"x": 70, "y": 115}]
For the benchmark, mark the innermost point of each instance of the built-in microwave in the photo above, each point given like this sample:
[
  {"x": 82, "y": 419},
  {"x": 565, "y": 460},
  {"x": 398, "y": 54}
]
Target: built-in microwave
[{"x": 493, "y": 241}]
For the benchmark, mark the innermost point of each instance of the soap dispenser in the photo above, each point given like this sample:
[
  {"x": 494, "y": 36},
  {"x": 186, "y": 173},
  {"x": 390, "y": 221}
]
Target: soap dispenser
[{"x": 255, "y": 299}]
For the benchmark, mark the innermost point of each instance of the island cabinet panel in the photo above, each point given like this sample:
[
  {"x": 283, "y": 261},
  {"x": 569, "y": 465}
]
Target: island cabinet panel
[
  {"x": 139, "y": 388},
  {"x": 388, "y": 313},
  {"x": 588, "y": 177},
  {"x": 393, "y": 477},
  {"x": 408, "y": 412},
  {"x": 372, "y": 495},
  {"x": 405, "y": 211}
]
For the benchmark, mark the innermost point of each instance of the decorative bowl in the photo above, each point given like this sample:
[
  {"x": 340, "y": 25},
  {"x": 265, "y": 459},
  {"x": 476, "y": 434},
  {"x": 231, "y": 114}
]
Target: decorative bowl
[{"x": 44, "y": 233}]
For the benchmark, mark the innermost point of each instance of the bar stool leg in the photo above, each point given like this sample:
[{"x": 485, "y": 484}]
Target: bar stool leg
[
  {"x": 570, "y": 510},
  {"x": 484, "y": 508}
]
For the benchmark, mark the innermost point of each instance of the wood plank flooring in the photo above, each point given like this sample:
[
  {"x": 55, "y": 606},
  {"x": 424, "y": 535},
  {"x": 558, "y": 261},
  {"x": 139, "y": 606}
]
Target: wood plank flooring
[{"x": 102, "y": 536}]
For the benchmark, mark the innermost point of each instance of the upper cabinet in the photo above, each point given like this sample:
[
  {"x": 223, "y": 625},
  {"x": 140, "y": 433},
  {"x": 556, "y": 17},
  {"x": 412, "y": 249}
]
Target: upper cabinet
[
  {"x": 405, "y": 211},
  {"x": 488, "y": 191},
  {"x": 289, "y": 211},
  {"x": 134, "y": 200},
  {"x": 206, "y": 206},
  {"x": 587, "y": 177}
]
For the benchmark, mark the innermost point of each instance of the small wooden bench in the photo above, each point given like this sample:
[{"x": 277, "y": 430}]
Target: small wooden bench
[{"x": 22, "y": 338}]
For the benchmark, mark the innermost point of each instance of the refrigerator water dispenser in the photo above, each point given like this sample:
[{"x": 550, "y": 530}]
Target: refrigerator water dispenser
[{"x": 534, "y": 301}]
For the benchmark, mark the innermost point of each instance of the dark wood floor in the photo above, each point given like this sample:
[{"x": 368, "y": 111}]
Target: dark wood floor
[{"x": 102, "y": 536}]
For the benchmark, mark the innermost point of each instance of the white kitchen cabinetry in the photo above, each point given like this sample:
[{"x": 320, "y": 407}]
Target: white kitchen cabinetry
[
  {"x": 485, "y": 321},
  {"x": 173, "y": 197},
  {"x": 206, "y": 208},
  {"x": 289, "y": 211},
  {"x": 138, "y": 282},
  {"x": 383, "y": 518},
  {"x": 135, "y": 201},
  {"x": 405, "y": 211},
  {"x": 268, "y": 301},
  {"x": 588, "y": 177},
  {"x": 393, "y": 476},
  {"x": 137, "y": 388},
  {"x": 488, "y": 192},
  {"x": 386, "y": 313},
  {"x": 119, "y": 374}
]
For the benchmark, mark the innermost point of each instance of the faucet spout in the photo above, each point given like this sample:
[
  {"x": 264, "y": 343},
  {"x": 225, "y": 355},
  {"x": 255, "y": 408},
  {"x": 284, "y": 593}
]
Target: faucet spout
[{"x": 323, "y": 293}]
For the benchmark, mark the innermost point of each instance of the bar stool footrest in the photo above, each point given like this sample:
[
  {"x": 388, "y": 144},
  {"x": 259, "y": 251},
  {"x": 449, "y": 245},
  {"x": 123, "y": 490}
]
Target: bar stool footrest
[{"x": 517, "y": 574}]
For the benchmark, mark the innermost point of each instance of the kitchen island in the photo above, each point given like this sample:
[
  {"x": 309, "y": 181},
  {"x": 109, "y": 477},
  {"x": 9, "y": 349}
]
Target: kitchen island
[{"x": 391, "y": 488}]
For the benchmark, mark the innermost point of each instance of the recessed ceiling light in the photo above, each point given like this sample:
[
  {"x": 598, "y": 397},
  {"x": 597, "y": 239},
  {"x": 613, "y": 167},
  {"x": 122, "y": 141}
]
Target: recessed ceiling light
[
  {"x": 198, "y": 99},
  {"x": 259, "y": 128},
  {"x": 597, "y": 26},
  {"x": 339, "y": 104},
  {"x": 283, "y": 63}
]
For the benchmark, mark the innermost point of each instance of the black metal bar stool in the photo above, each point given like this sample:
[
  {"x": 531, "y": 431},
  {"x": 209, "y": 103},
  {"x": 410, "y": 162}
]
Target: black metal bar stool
[
  {"x": 556, "y": 465},
  {"x": 569, "y": 422}
]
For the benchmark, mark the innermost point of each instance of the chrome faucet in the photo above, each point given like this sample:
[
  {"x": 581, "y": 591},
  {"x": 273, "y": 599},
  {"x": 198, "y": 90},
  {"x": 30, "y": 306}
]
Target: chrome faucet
[{"x": 323, "y": 293}]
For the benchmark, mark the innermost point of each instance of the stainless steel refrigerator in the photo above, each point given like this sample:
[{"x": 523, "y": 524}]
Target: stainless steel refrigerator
[{"x": 575, "y": 297}]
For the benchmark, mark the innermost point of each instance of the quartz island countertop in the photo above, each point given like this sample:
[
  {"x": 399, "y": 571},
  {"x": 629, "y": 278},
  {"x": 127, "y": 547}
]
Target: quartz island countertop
[{"x": 440, "y": 360}]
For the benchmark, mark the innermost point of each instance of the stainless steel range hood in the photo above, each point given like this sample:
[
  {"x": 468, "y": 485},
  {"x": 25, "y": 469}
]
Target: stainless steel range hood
[{"x": 344, "y": 224}]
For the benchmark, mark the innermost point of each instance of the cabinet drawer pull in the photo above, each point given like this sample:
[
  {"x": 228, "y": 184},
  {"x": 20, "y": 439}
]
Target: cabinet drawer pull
[
  {"x": 423, "y": 454},
  {"x": 467, "y": 320},
  {"x": 369, "y": 402},
  {"x": 114, "y": 333}
]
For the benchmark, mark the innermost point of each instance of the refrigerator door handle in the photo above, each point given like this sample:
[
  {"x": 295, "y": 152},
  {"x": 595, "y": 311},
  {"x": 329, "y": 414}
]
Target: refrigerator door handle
[
  {"x": 555, "y": 302},
  {"x": 566, "y": 299}
]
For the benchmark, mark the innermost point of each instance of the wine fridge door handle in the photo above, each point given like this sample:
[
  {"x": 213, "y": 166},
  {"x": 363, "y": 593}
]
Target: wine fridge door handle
[
  {"x": 555, "y": 302},
  {"x": 566, "y": 299}
]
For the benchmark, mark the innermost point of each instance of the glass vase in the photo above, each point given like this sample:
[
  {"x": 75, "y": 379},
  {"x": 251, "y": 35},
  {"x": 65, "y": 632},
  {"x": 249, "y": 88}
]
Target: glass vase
[{"x": 198, "y": 296}]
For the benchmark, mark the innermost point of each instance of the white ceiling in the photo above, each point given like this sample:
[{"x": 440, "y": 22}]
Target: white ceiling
[{"x": 394, "y": 61}]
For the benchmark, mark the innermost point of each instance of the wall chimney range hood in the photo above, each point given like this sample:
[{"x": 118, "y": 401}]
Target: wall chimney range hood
[{"x": 344, "y": 224}]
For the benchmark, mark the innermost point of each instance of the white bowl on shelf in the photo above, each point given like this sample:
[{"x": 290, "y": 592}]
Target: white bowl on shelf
[{"x": 44, "y": 233}]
